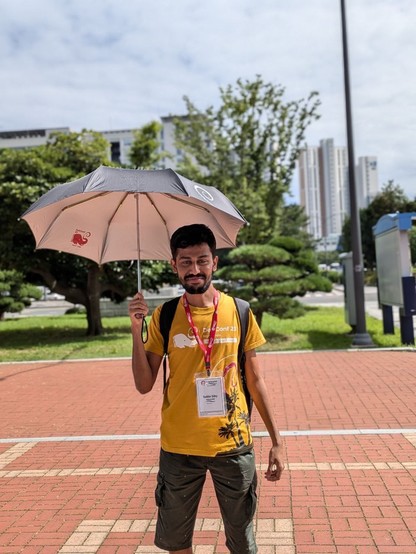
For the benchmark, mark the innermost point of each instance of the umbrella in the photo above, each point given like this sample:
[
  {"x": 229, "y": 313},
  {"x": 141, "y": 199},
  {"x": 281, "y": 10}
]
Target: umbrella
[{"x": 127, "y": 214}]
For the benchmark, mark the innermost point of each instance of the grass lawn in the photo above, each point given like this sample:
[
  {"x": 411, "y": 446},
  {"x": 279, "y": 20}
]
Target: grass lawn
[
  {"x": 63, "y": 337},
  {"x": 320, "y": 329}
]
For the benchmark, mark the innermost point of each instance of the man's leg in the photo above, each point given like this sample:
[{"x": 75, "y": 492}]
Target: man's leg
[
  {"x": 179, "y": 487},
  {"x": 235, "y": 482}
]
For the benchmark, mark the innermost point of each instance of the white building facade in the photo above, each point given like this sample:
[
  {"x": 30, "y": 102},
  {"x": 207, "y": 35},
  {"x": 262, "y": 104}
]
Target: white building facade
[
  {"x": 28, "y": 138},
  {"x": 120, "y": 141}
]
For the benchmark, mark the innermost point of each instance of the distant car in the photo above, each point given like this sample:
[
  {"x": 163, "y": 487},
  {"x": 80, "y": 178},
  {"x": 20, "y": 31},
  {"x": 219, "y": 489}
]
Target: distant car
[
  {"x": 49, "y": 295},
  {"x": 336, "y": 266}
]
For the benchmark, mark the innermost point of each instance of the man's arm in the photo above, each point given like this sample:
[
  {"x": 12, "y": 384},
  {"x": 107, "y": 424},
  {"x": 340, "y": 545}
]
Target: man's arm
[
  {"x": 258, "y": 391},
  {"x": 145, "y": 365}
]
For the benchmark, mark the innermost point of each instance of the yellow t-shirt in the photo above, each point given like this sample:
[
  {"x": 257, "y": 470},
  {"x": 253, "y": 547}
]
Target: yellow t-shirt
[{"x": 182, "y": 430}]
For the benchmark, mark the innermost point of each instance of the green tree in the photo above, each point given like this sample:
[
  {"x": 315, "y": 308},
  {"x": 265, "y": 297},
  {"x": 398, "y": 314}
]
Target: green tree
[
  {"x": 77, "y": 153},
  {"x": 145, "y": 150},
  {"x": 272, "y": 275},
  {"x": 15, "y": 294},
  {"x": 293, "y": 223},
  {"x": 327, "y": 257},
  {"x": 24, "y": 176},
  {"x": 390, "y": 200},
  {"x": 247, "y": 147}
]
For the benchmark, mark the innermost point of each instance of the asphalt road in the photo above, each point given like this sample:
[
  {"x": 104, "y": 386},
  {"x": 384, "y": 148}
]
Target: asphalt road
[
  {"x": 336, "y": 298},
  {"x": 42, "y": 308},
  {"x": 333, "y": 298}
]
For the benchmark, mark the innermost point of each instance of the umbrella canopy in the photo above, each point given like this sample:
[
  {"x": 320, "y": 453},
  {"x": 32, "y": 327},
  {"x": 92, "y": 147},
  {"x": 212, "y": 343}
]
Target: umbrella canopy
[{"x": 126, "y": 214}]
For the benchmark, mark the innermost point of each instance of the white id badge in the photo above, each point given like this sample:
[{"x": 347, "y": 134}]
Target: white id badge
[{"x": 211, "y": 396}]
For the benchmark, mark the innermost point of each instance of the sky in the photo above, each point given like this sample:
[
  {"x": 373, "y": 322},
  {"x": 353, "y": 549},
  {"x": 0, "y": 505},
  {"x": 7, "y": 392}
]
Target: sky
[{"x": 118, "y": 64}]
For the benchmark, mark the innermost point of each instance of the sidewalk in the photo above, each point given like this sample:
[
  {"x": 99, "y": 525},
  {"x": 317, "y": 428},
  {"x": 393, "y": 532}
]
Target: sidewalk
[{"x": 79, "y": 451}]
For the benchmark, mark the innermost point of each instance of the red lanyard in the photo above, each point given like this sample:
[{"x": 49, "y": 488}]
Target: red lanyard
[{"x": 206, "y": 349}]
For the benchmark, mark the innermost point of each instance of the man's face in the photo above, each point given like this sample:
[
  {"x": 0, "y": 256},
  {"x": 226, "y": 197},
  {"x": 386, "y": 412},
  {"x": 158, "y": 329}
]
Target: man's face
[{"x": 195, "y": 266}]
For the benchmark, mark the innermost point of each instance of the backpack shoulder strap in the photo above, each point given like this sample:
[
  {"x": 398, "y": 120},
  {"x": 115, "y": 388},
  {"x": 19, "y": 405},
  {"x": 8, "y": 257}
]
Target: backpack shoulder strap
[
  {"x": 167, "y": 314},
  {"x": 243, "y": 308}
]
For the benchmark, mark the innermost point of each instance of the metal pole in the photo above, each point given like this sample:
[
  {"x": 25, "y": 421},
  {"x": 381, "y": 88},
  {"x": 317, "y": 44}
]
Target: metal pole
[{"x": 361, "y": 338}]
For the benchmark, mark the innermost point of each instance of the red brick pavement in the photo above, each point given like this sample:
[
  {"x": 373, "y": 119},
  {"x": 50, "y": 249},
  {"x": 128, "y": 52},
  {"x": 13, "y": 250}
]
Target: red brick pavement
[{"x": 341, "y": 493}]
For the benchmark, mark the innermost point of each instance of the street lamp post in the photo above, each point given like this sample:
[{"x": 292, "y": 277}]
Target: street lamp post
[{"x": 361, "y": 338}]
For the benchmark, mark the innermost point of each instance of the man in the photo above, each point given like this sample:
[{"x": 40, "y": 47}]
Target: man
[{"x": 205, "y": 422}]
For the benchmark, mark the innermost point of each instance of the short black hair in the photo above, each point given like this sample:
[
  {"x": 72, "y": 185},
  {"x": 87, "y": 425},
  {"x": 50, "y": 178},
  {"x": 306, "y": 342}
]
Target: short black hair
[{"x": 192, "y": 235}]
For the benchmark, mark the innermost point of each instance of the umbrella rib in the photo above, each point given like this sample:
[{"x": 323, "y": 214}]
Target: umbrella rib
[
  {"x": 116, "y": 210},
  {"x": 159, "y": 213},
  {"x": 93, "y": 197},
  {"x": 51, "y": 224},
  {"x": 173, "y": 197},
  {"x": 109, "y": 223},
  {"x": 176, "y": 199}
]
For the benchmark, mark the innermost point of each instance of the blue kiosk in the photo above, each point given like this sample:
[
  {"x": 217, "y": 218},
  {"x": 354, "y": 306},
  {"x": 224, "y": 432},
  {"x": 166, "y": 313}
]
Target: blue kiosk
[{"x": 396, "y": 282}]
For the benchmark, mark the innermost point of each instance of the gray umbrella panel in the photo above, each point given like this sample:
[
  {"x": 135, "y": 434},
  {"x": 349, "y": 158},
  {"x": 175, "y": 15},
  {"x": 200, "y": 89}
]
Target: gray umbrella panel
[
  {"x": 113, "y": 179},
  {"x": 85, "y": 218}
]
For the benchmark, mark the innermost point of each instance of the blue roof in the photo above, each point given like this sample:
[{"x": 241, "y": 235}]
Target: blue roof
[{"x": 402, "y": 222}]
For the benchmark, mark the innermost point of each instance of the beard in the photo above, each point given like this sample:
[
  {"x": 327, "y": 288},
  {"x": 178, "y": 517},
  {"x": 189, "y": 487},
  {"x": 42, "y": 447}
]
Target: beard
[{"x": 191, "y": 289}]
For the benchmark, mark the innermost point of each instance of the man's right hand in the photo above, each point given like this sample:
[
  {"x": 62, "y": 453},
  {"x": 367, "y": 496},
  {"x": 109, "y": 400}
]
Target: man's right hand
[
  {"x": 145, "y": 365},
  {"x": 138, "y": 309}
]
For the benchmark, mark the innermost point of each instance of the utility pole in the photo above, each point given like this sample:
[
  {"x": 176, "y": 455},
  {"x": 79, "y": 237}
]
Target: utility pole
[{"x": 361, "y": 337}]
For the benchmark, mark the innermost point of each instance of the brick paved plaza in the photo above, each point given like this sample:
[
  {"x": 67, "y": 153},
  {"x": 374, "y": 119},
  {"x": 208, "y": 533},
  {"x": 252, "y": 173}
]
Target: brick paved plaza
[{"x": 79, "y": 451}]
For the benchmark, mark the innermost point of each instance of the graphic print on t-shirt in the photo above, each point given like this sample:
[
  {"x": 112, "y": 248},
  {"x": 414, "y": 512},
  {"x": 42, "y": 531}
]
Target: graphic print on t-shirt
[
  {"x": 237, "y": 415},
  {"x": 182, "y": 341}
]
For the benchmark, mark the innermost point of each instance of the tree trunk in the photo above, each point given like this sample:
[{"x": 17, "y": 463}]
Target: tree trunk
[
  {"x": 95, "y": 326},
  {"x": 259, "y": 318}
]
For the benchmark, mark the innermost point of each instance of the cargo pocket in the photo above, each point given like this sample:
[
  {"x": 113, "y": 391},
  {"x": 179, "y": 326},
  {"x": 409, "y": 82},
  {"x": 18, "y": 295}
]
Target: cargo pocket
[
  {"x": 159, "y": 492},
  {"x": 252, "y": 498}
]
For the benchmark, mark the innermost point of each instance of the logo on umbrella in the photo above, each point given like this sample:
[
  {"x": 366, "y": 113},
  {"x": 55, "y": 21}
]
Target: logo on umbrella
[
  {"x": 79, "y": 238},
  {"x": 207, "y": 196}
]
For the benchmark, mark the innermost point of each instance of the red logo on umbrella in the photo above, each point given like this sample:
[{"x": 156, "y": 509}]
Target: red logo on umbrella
[{"x": 79, "y": 238}]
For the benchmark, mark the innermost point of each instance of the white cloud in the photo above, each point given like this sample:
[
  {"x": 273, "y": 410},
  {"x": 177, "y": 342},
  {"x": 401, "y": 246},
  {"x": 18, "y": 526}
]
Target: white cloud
[{"x": 108, "y": 64}]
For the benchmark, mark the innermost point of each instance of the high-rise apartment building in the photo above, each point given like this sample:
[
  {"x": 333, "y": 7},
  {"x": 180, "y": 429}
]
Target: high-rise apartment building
[
  {"x": 324, "y": 186},
  {"x": 310, "y": 188},
  {"x": 366, "y": 178}
]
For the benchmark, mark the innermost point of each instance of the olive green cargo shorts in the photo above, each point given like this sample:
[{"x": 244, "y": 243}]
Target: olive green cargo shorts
[{"x": 179, "y": 487}]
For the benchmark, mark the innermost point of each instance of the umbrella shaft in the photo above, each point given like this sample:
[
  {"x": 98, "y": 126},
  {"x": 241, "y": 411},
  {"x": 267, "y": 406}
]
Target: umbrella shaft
[{"x": 139, "y": 277}]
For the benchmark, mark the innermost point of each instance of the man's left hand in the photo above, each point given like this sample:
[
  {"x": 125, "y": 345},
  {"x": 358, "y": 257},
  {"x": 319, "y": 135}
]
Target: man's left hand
[{"x": 276, "y": 464}]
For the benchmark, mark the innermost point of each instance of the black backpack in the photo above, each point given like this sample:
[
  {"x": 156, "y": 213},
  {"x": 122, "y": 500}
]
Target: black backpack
[{"x": 167, "y": 314}]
